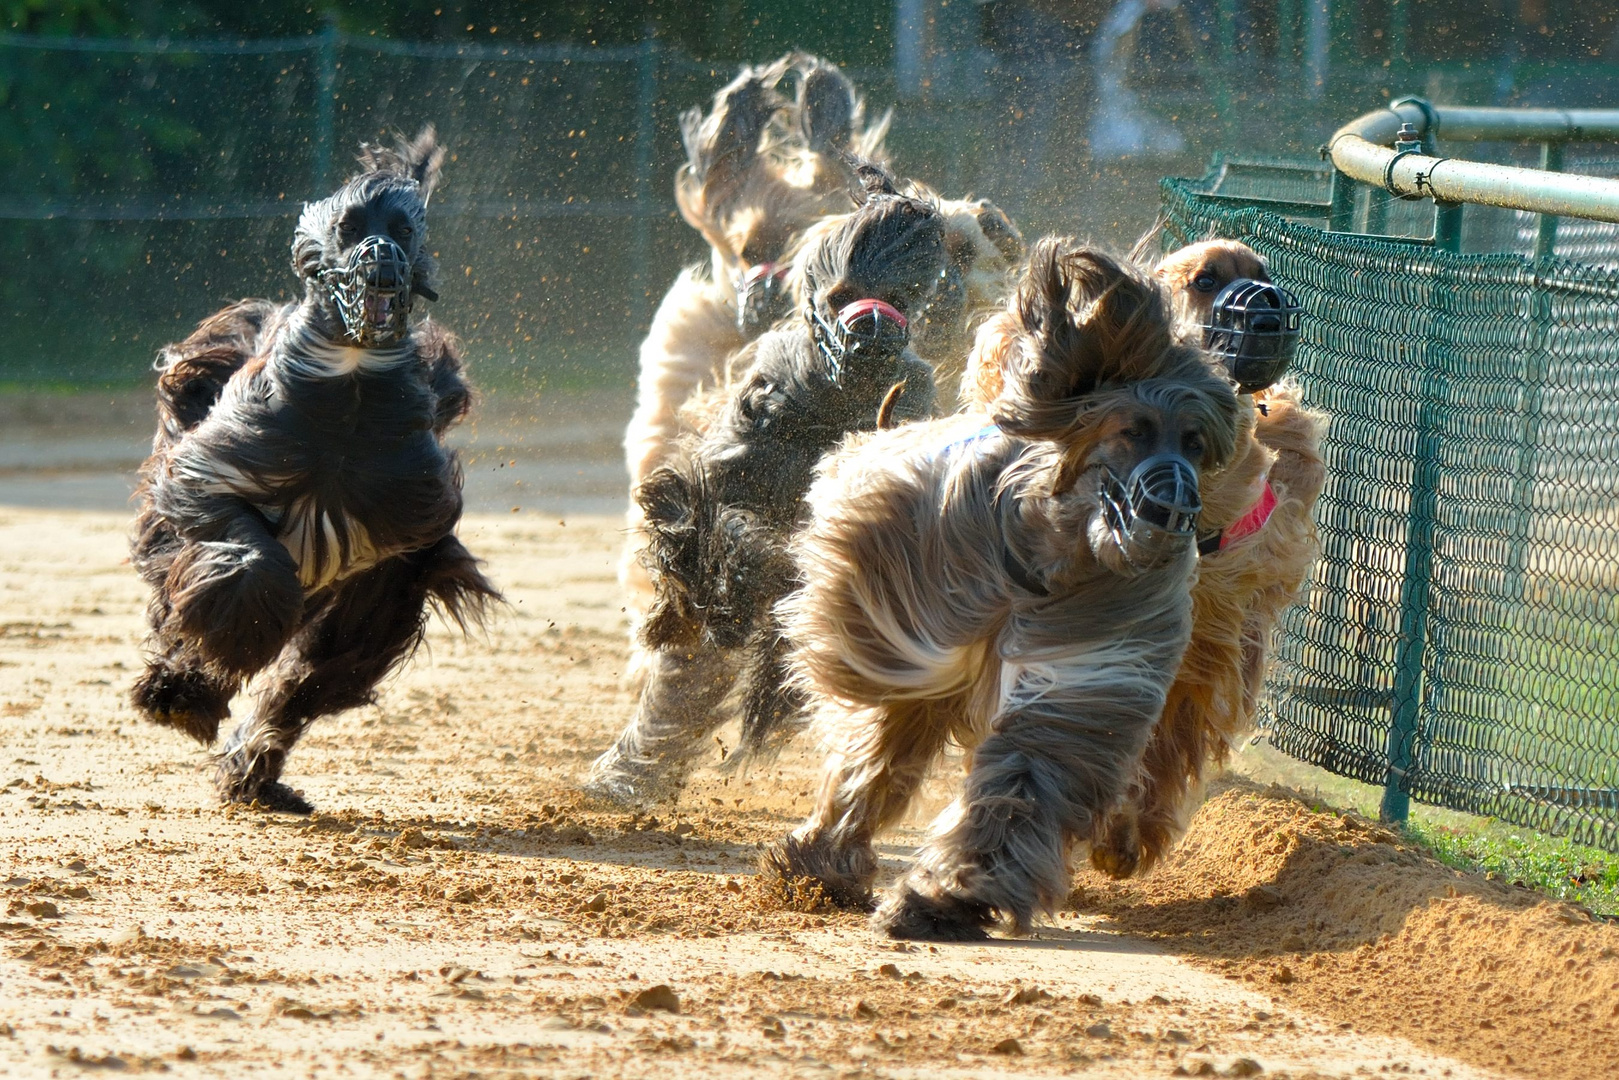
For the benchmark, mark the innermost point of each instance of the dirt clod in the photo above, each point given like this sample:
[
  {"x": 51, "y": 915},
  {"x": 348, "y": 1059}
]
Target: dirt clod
[{"x": 660, "y": 998}]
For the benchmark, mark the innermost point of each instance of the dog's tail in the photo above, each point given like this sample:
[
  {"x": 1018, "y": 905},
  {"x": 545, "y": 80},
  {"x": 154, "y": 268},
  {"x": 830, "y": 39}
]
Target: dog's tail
[{"x": 714, "y": 567}]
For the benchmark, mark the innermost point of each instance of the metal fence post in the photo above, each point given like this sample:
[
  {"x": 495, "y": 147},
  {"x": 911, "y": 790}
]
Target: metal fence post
[
  {"x": 325, "y": 100},
  {"x": 1342, "y": 214},
  {"x": 1551, "y": 159},
  {"x": 1416, "y": 588},
  {"x": 646, "y": 100}
]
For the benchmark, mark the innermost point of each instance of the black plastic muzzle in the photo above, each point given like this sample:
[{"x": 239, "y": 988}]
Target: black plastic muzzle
[
  {"x": 372, "y": 291},
  {"x": 1152, "y": 515},
  {"x": 864, "y": 328},
  {"x": 761, "y": 299},
  {"x": 1254, "y": 329}
]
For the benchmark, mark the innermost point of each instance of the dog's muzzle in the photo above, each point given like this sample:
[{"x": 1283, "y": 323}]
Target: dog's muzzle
[
  {"x": 372, "y": 291},
  {"x": 864, "y": 328},
  {"x": 761, "y": 299},
  {"x": 1152, "y": 515},
  {"x": 1254, "y": 329}
]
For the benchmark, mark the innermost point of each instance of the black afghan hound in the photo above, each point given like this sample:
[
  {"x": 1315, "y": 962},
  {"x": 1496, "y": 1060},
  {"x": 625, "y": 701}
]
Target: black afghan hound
[{"x": 298, "y": 511}]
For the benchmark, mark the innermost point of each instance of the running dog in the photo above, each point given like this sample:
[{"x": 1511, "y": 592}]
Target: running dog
[
  {"x": 1017, "y": 583},
  {"x": 1258, "y": 549},
  {"x": 767, "y": 171},
  {"x": 297, "y": 513},
  {"x": 718, "y": 516}
]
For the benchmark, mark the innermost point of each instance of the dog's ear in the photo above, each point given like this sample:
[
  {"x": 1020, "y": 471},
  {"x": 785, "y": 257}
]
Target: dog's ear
[
  {"x": 309, "y": 239},
  {"x": 1086, "y": 320},
  {"x": 721, "y": 148},
  {"x": 423, "y": 160},
  {"x": 826, "y": 108}
]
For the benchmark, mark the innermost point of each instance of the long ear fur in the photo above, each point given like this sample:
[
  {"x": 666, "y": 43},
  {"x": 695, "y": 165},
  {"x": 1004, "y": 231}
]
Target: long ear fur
[
  {"x": 826, "y": 108},
  {"x": 723, "y": 147},
  {"x": 1087, "y": 320},
  {"x": 420, "y": 159}
]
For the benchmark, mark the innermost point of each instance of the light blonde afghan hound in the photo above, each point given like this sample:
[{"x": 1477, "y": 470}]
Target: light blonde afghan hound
[
  {"x": 761, "y": 168},
  {"x": 1260, "y": 542},
  {"x": 1021, "y": 587}
]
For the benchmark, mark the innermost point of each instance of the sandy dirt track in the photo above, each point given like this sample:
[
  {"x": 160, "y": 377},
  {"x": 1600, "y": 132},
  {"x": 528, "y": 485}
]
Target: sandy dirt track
[{"x": 453, "y": 910}]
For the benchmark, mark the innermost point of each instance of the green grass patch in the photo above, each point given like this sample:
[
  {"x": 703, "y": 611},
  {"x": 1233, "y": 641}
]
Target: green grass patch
[{"x": 1552, "y": 865}]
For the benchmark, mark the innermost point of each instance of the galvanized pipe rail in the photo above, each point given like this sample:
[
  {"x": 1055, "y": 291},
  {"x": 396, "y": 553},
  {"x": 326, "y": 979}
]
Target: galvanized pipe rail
[
  {"x": 1394, "y": 149},
  {"x": 1363, "y": 149}
]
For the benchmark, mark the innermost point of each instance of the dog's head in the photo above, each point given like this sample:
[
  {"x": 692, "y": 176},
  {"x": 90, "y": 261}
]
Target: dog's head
[
  {"x": 1225, "y": 299},
  {"x": 363, "y": 251},
  {"x": 865, "y": 276},
  {"x": 1099, "y": 370}
]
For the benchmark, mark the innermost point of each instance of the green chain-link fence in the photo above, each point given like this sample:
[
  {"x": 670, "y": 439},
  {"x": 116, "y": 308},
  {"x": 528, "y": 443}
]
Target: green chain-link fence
[{"x": 1458, "y": 638}]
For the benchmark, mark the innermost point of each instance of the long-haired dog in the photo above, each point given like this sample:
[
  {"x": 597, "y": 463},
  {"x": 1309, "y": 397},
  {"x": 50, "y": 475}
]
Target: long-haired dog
[
  {"x": 765, "y": 168},
  {"x": 297, "y": 513},
  {"x": 1258, "y": 543},
  {"x": 719, "y": 514},
  {"x": 1018, "y": 584}
]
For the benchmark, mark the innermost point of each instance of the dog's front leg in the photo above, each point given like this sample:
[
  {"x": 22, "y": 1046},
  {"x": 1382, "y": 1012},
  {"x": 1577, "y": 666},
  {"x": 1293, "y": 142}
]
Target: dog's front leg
[
  {"x": 678, "y": 710},
  {"x": 1068, "y": 740},
  {"x": 232, "y": 589},
  {"x": 355, "y": 635}
]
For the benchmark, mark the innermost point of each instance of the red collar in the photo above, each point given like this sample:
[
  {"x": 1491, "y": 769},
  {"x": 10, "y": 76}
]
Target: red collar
[{"x": 1250, "y": 523}]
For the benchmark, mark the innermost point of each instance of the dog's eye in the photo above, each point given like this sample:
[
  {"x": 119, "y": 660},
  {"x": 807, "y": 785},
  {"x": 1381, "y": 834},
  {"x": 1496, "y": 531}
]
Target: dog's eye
[
  {"x": 406, "y": 232},
  {"x": 1205, "y": 281},
  {"x": 1192, "y": 445}
]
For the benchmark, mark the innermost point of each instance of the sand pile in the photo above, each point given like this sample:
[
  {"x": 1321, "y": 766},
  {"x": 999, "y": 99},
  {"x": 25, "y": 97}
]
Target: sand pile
[{"x": 1336, "y": 914}]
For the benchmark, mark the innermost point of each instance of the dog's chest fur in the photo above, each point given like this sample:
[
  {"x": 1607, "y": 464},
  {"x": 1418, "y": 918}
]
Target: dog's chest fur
[{"x": 337, "y": 452}]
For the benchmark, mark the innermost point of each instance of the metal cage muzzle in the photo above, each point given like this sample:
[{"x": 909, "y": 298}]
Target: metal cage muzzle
[
  {"x": 761, "y": 298},
  {"x": 1152, "y": 514},
  {"x": 864, "y": 328},
  {"x": 372, "y": 291},
  {"x": 1253, "y": 328}
]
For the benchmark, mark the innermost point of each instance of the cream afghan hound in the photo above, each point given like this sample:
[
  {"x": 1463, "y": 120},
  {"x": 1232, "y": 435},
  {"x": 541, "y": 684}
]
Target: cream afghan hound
[
  {"x": 1017, "y": 583},
  {"x": 1259, "y": 542}
]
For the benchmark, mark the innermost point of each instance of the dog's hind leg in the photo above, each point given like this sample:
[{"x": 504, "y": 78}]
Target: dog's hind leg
[
  {"x": 869, "y": 782},
  {"x": 679, "y": 709},
  {"x": 369, "y": 625}
]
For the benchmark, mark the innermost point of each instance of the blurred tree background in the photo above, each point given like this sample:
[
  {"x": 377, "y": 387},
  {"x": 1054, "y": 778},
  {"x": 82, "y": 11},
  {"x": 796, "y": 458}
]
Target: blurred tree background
[{"x": 142, "y": 185}]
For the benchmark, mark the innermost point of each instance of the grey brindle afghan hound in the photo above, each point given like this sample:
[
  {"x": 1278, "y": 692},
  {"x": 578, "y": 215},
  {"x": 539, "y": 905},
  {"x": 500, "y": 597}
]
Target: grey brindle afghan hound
[
  {"x": 719, "y": 514},
  {"x": 297, "y": 514},
  {"x": 1019, "y": 584}
]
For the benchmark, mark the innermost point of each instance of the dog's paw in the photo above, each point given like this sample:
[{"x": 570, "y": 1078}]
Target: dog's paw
[
  {"x": 807, "y": 876},
  {"x": 187, "y": 701},
  {"x": 1117, "y": 851},
  {"x": 617, "y": 784},
  {"x": 910, "y": 916},
  {"x": 278, "y": 798}
]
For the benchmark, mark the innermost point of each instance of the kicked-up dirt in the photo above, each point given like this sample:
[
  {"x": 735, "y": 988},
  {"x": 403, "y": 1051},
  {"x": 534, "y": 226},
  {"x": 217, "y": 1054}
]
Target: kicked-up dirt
[{"x": 454, "y": 909}]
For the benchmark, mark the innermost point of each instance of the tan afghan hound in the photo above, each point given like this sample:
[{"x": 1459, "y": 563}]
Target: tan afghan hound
[
  {"x": 1259, "y": 544},
  {"x": 1019, "y": 584}
]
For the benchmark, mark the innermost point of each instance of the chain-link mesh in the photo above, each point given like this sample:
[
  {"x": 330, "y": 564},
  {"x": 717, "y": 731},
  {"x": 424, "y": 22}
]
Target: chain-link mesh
[{"x": 1458, "y": 633}]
